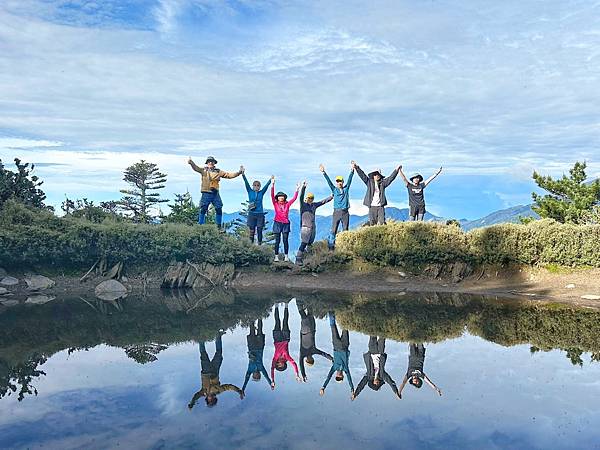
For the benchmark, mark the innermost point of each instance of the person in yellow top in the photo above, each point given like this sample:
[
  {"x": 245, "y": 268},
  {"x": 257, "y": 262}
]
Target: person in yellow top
[
  {"x": 211, "y": 176},
  {"x": 211, "y": 385}
]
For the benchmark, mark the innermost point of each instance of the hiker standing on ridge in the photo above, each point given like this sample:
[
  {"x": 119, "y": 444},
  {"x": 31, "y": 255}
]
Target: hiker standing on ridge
[
  {"x": 256, "y": 214},
  {"x": 281, "y": 224},
  {"x": 308, "y": 230},
  {"x": 416, "y": 200},
  {"x": 375, "y": 198},
  {"x": 341, "y": 203},
  {"x": 210, "y": 188}
]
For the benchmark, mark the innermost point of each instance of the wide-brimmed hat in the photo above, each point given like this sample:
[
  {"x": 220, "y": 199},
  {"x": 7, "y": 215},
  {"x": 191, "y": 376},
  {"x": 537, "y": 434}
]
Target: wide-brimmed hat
[
  {"x": 416, "y": 175},
  {"x": 211, "y": 159},
  {"x": 376, "y": 172},
  {"x": 281, "y": 194}
]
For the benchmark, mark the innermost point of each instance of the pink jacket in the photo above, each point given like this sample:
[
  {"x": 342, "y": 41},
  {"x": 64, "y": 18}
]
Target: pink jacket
[
  {"x": 282, "y": 211},
  {"x": 282, "y": 352}
]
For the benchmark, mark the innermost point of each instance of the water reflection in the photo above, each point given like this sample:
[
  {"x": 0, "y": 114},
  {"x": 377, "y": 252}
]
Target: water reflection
[
  {"x": 209, "y": 374},
  {"x": 376, "y": 376},
  {"x": 369, "y": 339},
  {"x": 415, "y": 373}
]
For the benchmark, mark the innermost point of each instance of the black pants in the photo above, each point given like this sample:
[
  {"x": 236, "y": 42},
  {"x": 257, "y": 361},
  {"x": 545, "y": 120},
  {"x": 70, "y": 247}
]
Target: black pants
[
  {"x": 376, "y": 345},
  {"x": 213, "y": 366},
  {"x": 340, "y": 216},
  {"x": 286, "y": 245},
  {"x": 340, "y": 342},
  {"x": 376, "y": 215},
  {"x": 256, "y": 337},
  {"x": 280, "y": 333}
]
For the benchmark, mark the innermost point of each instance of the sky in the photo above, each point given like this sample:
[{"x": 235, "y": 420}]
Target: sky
[{"x": 488, "y": 90}]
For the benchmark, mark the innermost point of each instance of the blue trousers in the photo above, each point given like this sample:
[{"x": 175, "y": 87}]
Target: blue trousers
[{"x": 206, "y": 200}]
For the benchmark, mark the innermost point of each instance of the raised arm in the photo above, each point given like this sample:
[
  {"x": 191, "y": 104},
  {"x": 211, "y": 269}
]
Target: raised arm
[
  {"x": 263, "y": 370},
  {"x": 389, "y": 380},
  {"x": 246, "y": 380},
  {"x": 328, "y": 378},
  {"x": 265, "y": 187},
  {"x": 360, "y": 387},
  {"x": 273, "y": 199},
  {"x": 408, "y": 183},
  {"x": 331, "y": 186},
  {"x": 302, "y": 192},
  {"x": 302, "y": 368},
  {"x": 291, "y": 360},
  {"x": 248, "y": 187},
  {"x": 363, "y": 176},
  {"x": 293, "y": 199},
  {"x": 432, "y": 177},
  {"x": 391, "y": 177},
  {"x": 433, "y": 386},
  {"x": 324, "y": 354},
  {"x": 350, "y": 179},
  {"x": 195, "y": 167},
  {"x": 196, "y": 397},
  {"x": 230, "y": 175},
  {"x": 404, "y": 381},
  {"x": 347, "y": 370},
  {"x": 231, "y": 387},
  {"x": 322, "y": 202}
]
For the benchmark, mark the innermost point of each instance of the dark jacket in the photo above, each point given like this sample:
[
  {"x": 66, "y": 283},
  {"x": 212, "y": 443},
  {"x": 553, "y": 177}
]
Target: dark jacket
[
  {"x": 308, "y": 346},
  {"x": 370, "y": 182},
  {"x": 370, "y": 375},
  {"x": 308, "y": 210}
]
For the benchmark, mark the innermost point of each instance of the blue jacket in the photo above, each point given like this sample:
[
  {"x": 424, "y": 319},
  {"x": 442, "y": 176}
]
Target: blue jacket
[
  {"x": 340, "y": 362},
  {"x": 255, "y": 364},
  {"x": 341, "y": 198},
  {"x": 256, "y": 197}
]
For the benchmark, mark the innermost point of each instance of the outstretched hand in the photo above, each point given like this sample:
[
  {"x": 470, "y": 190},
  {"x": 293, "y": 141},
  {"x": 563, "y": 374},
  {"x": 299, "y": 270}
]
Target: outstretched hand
[
  {"x": 321, "y": 167},
  {"x": 189, "y": 160},
  {"x": 322, "y": 392},
  {"x": 352, "y": 396},
  {"x": 242, "y": 170},
  {"x": 439, "y": 392},
  {"x": 298, "y": 186},
  {"x": 242, "y": 395},
  {"x": 273, "y": 178},
  {"x": 304, "y": 183},
  {"x": 400, "y": 167},
  {"x": 439, "y": 171},
  {"x": 273, "y": 386},
  {"x": 399, "y": 395},
  {"x": 299, "y": 380}
]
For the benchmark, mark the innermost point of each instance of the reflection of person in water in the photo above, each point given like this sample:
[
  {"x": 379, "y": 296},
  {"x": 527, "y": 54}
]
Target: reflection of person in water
[
  {"x": 211, "y": 385},
  {"x": 281, "y": 339},
  {"x": 308, "y": 346},
  {"x": 415, "y": 374},
  {"x": 341, "y": 355},
  {"x": 256, "y": 347},
  {"x": 376, "y": 375}
]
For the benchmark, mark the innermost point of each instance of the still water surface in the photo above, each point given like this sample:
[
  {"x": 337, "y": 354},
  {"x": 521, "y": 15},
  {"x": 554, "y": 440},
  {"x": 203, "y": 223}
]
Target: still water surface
[{"x": 83, "y": 373}]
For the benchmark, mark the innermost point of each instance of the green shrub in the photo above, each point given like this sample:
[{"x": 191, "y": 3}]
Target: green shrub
[
  {"x": 540, "y": 242},
  {"x": 34, "y": 238}
]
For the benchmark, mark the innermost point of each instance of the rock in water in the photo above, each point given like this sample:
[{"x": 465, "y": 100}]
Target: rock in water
[
  {"x": 9, "y": 281},
  {"x": 3, "y": 291},
  {"x": 180, "y": 275},
  {"x": 39, "y": 299},
  {"x": 110, "y": 290},
  {"x": 38, "y": 282}
]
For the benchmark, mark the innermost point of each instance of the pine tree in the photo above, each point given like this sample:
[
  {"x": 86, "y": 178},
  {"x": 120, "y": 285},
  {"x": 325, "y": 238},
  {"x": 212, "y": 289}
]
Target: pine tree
[
  {"x": 183, "y": 210},
  {"x": 144, "y": 177},
  {"x": 570, "y": 199}
]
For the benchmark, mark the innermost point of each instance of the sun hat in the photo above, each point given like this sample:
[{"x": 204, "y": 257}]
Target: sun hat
[
  {"x": 281, "y": 194},
  {"x": 416, "y": 175},
  {"x": 211, "y": 159}
]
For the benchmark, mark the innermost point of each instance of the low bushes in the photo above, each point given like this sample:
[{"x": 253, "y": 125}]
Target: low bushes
[
  {"x": 35, "y": 238},
  {"x": 538, "y": 242}
]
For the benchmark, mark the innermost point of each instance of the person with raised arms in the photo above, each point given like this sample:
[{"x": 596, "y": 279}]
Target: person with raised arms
[
  {"x": 416, "y": 199},
  {"x": 308, "y": 345},
  {"x": 256, "y": 214},
  {"x": 415, "y": 374},
  {"x": 376, "y": 375},
  {"x": 281, "y": 224},
  {"x": 375, "y": 198},
  {"x": 256, "y": 348},
  {"x": 281, "y": 341},
  {"x": 341, "y": 203},
  {"x": 341, "y": 356},
  {"x": 211, "y": 176},
  {"x": 308, "y": 227}
]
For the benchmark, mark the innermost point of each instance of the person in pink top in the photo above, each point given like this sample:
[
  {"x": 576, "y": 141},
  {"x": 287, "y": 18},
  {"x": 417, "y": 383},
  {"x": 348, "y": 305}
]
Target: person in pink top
[
  {"x": 281, "y": 224},
  {"x": 281, "y": 339}
]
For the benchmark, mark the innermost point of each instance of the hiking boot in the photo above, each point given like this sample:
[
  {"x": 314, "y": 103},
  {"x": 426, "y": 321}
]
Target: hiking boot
[
  {"x": 276, "y": 258},
  {"x": 286, "y": 258}
]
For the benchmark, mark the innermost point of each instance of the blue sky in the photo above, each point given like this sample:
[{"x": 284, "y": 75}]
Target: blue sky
[{"x": 489, "y": 90}]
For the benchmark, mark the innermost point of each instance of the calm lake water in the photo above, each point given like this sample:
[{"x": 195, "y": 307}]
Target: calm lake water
[{"x": 85, "y": 373}]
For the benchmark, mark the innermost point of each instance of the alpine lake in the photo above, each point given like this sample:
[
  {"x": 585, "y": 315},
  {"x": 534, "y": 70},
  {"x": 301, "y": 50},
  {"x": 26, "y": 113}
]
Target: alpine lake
[{"x": 84, "y": 373}]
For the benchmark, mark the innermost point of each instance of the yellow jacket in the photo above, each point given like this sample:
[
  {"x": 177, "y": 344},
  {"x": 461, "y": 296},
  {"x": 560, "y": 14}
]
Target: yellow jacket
[{"x": 211, "y": 178}]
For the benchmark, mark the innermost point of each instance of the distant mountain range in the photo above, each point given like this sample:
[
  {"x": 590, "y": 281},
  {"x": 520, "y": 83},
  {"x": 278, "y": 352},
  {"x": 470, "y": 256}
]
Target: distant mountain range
[{"x": 509, "y": 215}]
